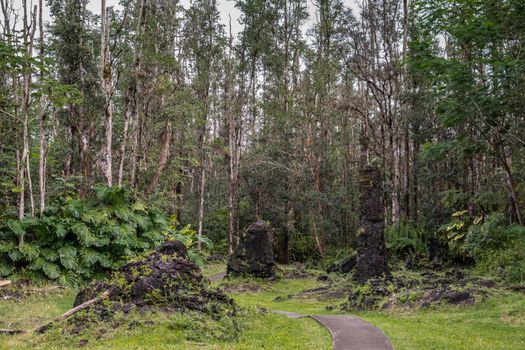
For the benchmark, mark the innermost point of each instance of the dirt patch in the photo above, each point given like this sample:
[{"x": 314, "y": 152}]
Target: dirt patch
[
  {"x": 241, "y": 288},
  {"x": 23, "y": 289},
  {"x": 294, "y": 271},
  {"x": 12, "y": 292}
]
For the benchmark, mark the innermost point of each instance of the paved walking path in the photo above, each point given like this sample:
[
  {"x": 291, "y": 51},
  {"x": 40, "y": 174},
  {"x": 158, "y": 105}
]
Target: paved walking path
[
  {"x": 348, "y": 332},
  {"x": 217, "y": 277}
]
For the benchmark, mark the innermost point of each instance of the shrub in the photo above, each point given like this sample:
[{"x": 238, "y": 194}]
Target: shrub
[
  {"x": 302, "y": 248},
  {"x": 454, "y": 233},
  {"x": 498, "y": 248},
  {"x": 74, "y": 239},
  {"x": 405, "y": 240}
]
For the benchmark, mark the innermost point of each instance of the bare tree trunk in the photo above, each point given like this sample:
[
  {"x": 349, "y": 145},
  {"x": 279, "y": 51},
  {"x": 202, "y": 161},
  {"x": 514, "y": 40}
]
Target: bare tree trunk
[
  {"x": 67, "y": 161},
  {"x": 164, "y": 153},
  {"x": 512, "y": 185},
  {"x": 106, "y": 76},
  {"x": 42, "y": 123},
  {"x": 132, "y": 95},
  {"x": 29, "y": 23},
  {"x": 231, "y": 156},
  {"x": 202, "y": 187}
]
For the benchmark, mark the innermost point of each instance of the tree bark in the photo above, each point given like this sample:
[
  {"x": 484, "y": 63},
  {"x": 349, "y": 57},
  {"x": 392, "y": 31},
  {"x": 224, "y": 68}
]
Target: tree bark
[
  {"x": 42, "y": 123},
  {"x": 106, "y": 77},
  {"x": 164, "y": 153}
]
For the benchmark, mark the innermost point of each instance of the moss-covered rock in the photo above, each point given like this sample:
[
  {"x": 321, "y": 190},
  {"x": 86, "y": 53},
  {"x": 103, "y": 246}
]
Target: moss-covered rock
[
  {"x": 254, "y": 254},
  {"x": 165, "y": 280}
]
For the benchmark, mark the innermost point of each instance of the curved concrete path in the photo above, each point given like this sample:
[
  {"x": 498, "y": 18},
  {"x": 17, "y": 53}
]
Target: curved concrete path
[
  {"x": 217, "y": 277},
  {"x": 354, "y": 333},
  {"x": 348, "y": 332}
]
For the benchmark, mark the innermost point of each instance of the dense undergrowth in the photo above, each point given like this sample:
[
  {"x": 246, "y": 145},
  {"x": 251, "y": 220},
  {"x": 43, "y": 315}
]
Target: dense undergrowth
[
  {"x": 487, "y": 244},
  {"x": 75, "y": 240}
]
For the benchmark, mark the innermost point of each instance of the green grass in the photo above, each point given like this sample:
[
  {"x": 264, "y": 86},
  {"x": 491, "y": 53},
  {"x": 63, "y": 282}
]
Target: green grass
[
  {"x": 274, "y": 295},
  {"x": 497, "y": 324},
  {"x": 258, "y": 329}
]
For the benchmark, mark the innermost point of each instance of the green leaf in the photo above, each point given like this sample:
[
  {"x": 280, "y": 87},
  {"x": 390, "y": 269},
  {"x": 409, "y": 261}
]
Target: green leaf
[
  {"x": 68, "y": 257},
  {"x": 30, "y": 251},
  {"x": 84, "y": 235},
  {"x": 6, "y": 268},
  {"x": 7, "y": 246},
  {"x": 15, "y": 255},
  {"x": 16, "y": 228},
  {"x": 51, "y": 270},
  {"x": 60, "y": 231},
  {"x": 89, "y": 256},
  {"x": 49, "y": 254}
]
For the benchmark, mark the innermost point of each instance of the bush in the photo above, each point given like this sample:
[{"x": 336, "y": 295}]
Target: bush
[
  {"x": 302, "y": 248},
  {"x": 405, "y": 240},
  {"x": 498, "y": 248},
  {"x": 74, "y": 239}
]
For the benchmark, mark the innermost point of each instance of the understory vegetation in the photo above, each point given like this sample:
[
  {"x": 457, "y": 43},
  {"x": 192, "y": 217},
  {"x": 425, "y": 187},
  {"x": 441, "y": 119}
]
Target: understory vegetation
[
  {"x": 145, "y": 125},
  {"x": 496, "y": 323},
  {"x": 75, "y": 240}
]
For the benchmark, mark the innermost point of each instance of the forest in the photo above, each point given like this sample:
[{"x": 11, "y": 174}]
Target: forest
[{"x": 181, "y": 174}]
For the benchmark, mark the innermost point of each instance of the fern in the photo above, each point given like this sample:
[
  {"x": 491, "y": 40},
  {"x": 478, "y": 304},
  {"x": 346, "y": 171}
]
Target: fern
[
  {"x": 68, "y": 257},
  {"x": 70, "y": 279},
  {"x": 7, "y": 246},
  {"x": 15, "y": 255},
  {"x": 60, "y": 231},
  {"x": 94, "y": 217},
  {"x": 38, "y": 264},
  {"x": 74, "y": 240},
  {"x": 89, "y": 256},
  {"x": 51, "y": 270},
  {"x": 49, "y": 254},
  {"x": 30, "y": 251},
  {"x": 84, "y": 235},
  {"x": 124, "y": 214},
  {"x": 6, "y": 267},
  {"x": 16, "y": 227},
  {"x": 75, "y": 208}
]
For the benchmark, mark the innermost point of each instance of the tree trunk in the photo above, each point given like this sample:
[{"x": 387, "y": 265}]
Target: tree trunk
[
  {"x": 42, "y": 123},
  {"x": 106, "y": 77},
  {"x": 164, "y": 153}
]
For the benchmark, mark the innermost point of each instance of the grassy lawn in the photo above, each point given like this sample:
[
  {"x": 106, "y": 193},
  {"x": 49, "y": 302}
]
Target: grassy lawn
[
  {"x": 497, "y": 324},
  {"x": 257, "y": 329}
]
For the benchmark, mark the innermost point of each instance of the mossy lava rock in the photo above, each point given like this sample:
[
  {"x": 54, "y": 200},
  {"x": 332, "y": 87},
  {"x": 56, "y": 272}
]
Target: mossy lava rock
[
  {"x": 165, "y": 279},
  {"x": 254, "y": 254}
]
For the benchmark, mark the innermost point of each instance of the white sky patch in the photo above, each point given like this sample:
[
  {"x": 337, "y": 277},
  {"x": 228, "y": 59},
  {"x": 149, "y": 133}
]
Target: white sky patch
[{"x": 226, "y": 8}]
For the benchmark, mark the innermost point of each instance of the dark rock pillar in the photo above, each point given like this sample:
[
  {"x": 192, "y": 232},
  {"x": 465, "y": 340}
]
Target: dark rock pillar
[
  {"x": 254, "y": 254},
  {"x": 371, "y": 252}
]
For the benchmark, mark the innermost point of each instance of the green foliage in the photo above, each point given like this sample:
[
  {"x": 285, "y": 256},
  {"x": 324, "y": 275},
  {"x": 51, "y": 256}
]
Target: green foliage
[
  {"x": 302, "y": 248},
  {"x": 74, "y": 239},
  {"x": 406, "y": 240},
  {"x": 498, "y": 248},
  {"x": 453, "y": 233}
]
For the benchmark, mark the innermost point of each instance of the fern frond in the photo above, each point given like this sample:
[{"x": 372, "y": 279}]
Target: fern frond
[
  {"x": 16, "y": 227},
  {"x": 84, "y": 234},
  {"x": 89, "y": 256},
  {"x": 51, "y": 270},
  {"x": 6, "y": 268},
  {"x": 30, "y": 251},
  {"x": 68, "y": 257},
  {"x": 7, "y": 246},
  {"x": 49, "y": 254}
]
